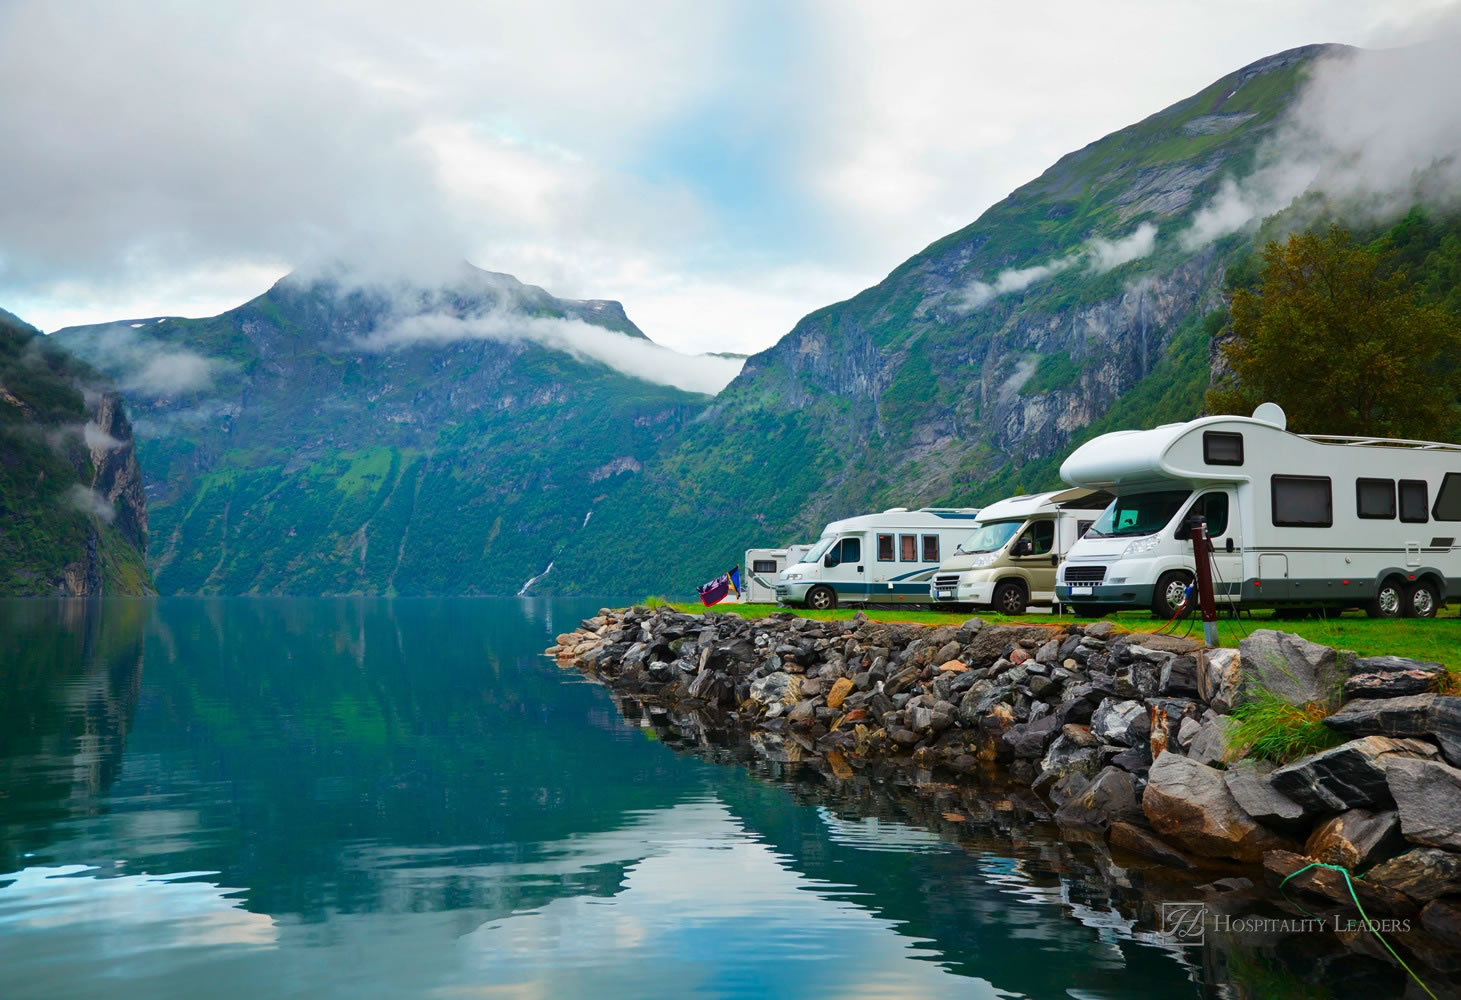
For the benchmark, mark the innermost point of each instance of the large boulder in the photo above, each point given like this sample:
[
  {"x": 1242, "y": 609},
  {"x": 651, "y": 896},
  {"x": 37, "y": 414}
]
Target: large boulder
[
  {"x": 1111, "y": 797},
  {"x": 1292, "y": 668},
  {"x": 1432, "y": 716},
  {"x": 1355, "y": 839},
  {"x": 1428, "y": 795},
  {"x": 1351, "y": 776},
  {"x": 1423, "y": 874},
  {"x": 1210, "y": 744},
  {"x": 1392, "y": 677},
  {"x": 1249, "y": 782},
  {"x": 1030, "y": 740},
  {"x": 1284, "y": 868},
  {"x": 1189, "y": 803}
]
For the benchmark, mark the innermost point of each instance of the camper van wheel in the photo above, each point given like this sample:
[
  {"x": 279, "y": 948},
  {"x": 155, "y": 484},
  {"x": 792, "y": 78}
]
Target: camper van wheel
[
  {"x": 822, "y": 598},
  {"x": 1389, "y": 601},
  {"x": 1010, "y": 598},
  {"x": 1169, "y": 593},
  {"x": 1421, "y": 601}
]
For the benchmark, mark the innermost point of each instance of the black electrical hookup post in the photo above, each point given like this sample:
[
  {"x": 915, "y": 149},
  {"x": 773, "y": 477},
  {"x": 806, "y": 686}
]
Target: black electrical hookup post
[{"x": 1202, "y": 560}]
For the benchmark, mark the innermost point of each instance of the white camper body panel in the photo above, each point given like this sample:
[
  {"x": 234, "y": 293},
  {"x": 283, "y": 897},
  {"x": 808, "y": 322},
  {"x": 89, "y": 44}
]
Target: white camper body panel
[
  {"x": 884, "y": 558},
  {"x": 1312, "y": 520},
  {"x": 973, "y": 577},
  {"x": 762, "y": 567}
]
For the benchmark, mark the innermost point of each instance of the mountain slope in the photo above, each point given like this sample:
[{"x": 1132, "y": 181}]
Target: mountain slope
[
  {"x": 73, "y": 520},
  {"x": 326, "y": 438},
  {"x": 974, "y": 362}
]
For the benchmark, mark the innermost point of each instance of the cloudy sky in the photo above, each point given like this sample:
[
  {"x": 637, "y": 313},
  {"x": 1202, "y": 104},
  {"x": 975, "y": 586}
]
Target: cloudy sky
[{"x": 721, "y": 168}]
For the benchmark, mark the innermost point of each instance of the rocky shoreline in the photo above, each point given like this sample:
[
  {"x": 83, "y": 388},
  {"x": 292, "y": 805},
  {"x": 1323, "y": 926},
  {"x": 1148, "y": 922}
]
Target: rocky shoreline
[{"x": 1121, "y": 739}]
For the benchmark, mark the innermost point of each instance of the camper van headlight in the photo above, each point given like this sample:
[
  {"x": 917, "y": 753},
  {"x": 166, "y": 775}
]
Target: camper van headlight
[
  {"x": 986, "y": 559},
  {"x": 1142, "y": 546}
]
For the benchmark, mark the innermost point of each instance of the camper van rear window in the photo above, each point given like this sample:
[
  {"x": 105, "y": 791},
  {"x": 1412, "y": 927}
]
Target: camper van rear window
[
  {"x": 930, "y": 548},
  {"x": 1415, "y": 501},
  {"x": 1448, "y": 499},
  {"x": 1222, "y": 448},
  {"x": 1303, "y": 501},
  {"x": 1375, "y": 498},
  {"x": 885, "y": 548}
]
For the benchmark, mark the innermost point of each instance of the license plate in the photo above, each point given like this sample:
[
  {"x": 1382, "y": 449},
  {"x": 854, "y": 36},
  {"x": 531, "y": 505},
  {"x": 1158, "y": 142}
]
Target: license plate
[
  {"x": 1080, "y": 591},
  {"x": 946, "y": 593}
]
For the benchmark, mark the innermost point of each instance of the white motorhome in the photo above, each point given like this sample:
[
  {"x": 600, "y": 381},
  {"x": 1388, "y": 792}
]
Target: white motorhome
[
  {"x": 884, "y": 558},
  {"x": 1010, "y": 558},
  {"x": 1295, "y": 520},
  {"x": 762, "y": 567}
]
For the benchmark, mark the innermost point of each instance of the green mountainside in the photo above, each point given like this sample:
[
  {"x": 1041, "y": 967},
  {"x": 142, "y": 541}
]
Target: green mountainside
[
  {"x": 73, "y": 519},
  {"x": 929, "y": 389},
  {"x": 289, "y": 450}
]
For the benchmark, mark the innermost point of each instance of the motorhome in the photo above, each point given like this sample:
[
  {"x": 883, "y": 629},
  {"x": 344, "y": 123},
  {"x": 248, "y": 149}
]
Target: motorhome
[
  {"x": 1010, "y": 559},
  {"x": 1295, "y": 520},
  {"x": 762, "y": 567},
  {"x": 885, "y": 558}
]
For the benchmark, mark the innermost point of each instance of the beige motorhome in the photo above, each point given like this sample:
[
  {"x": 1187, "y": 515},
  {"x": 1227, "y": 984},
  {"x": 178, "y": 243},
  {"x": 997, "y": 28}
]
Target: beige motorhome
[{"x": 1011, "y": 558}]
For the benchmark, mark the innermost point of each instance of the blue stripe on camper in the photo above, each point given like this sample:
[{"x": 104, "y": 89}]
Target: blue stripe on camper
[
  {"x": 958, "y": 517},
  {"x": 930, "y": 571}
]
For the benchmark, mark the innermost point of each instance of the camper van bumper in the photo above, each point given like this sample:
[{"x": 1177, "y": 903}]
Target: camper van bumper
[
  {"x": 792, "y": 593},
  {"x": 965, "y": 592},
  {"x": 1124, "y": 595}
]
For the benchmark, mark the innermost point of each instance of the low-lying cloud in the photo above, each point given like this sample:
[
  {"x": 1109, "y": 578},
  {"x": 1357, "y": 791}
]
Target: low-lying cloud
[
  {"x": 632, "y": 356},
  {"x": 1097, "y": 255},
  {"x": 144, "y": 366},
  {"x": 1373, "y": 132},
  {"x": 90, "y": 502}
]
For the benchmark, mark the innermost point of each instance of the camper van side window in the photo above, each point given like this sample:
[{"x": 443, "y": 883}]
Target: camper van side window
[
  {"x": 763, "y": 566},
  {"x": 930, "y": 548},
  {"x": 1303, "y": 501},
  {"x": 1222, "y": 448},
  {"x": 908, "y": 545},
  {"x": 1414, "y": 501},
  {"x": 1375, "y": 498},
  {"x": 885, "y": 548},
  {"x": 1448, "y": 499},
  {"x": 851, "y": 550}
]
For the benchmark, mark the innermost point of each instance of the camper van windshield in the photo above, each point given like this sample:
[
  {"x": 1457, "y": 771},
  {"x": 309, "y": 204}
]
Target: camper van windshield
[
  {"x": 1138, "y": 514},
  {"x": 820, "y": 550},
  {"x": 990, "y": 537}
]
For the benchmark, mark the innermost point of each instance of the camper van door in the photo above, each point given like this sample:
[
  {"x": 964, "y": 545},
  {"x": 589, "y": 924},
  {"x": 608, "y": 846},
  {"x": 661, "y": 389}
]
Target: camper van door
[{"x": 846, "y": 569}]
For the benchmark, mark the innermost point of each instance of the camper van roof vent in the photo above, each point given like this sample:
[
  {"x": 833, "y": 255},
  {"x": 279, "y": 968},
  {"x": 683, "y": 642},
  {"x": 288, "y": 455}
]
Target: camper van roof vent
[
  {"x": 1271, "y": 413},
  {"x": 896, "y": 510}
]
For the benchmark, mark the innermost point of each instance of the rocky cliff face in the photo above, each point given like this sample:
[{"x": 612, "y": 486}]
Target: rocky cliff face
[{"x": 73, "y": 514}]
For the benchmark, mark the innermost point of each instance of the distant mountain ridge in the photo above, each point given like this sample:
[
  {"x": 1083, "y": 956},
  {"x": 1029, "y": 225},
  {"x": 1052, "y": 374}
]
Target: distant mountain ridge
[{"x": 306, "y": 442}]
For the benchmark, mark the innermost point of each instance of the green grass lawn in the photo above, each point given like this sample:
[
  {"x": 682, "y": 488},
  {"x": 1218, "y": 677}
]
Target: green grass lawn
[{"x": 1434, "y": 639}]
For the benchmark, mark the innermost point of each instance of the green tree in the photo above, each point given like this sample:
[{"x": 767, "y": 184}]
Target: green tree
[{"x": 1338, "y": 336}]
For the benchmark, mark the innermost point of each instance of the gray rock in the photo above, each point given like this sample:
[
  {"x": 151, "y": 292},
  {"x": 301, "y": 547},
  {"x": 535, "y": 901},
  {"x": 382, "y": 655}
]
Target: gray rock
[
  {"x": 1392, "y": 677},
  {"x": 1048, "y": 653},
  {"x": 1100, "y": 630},
  {"x": 1437, "y": 717},
  {"x": 1351, "y": 776},
  {"x": 1079, "y": 735},
  {"x": 1068, "y": 787},
  {"x": 1110, "y": 797},
  {"x": 1138, "y": 840},
  {"x": 1187, "y": 731},
  {"x": 1442, "y": 918},
  {"x": 1355, "y": 839},
  {"x": 1137, "y": 760},
  {"x": 1030, "y": 740},
  {"x": 1428, "y": 795},
  {"x": 1120, "y": 722},
  {"x": 1248, "y": 782},
  {"x": 1292, "y": 668},
  {"x": 1210, "y": 744},
  {"x": 1178, "y": 676},
  {"x": 1064, "y": 757},
  {"x": 1219, "y": 675},
  {"x": 771, "y": 688},
  {"x": 1423, "y": 874},
  {"x": 803, "y": 712},
  {"x": 1189, "y": 804}
]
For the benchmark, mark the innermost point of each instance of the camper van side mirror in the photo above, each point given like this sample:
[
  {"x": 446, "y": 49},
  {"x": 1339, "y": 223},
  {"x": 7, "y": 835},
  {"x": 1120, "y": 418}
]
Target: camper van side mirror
[
  {"x": 1054, "y": 559},
  {"x": 831, "y": 559}
]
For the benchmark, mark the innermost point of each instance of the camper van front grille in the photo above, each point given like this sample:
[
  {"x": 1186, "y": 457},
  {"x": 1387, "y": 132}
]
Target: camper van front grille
[
  {"x": 946, "y": 582},
  {"x": 1085, "y": 574}
]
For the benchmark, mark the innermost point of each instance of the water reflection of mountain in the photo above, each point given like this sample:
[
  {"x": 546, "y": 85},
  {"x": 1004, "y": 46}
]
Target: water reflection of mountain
[{"x": 69, "y": 683}]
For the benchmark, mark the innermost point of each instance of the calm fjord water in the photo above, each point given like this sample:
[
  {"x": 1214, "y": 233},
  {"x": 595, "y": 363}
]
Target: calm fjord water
[{"x": 362, "y": 798}]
